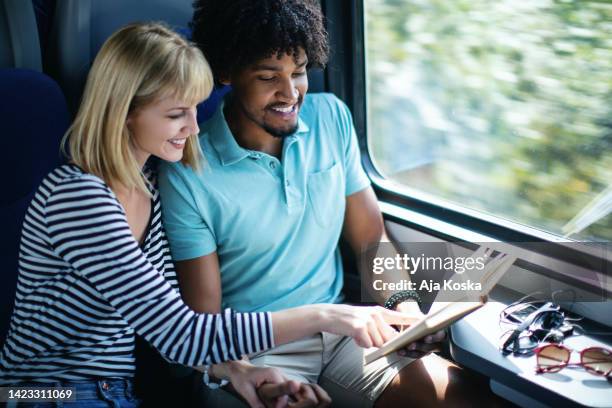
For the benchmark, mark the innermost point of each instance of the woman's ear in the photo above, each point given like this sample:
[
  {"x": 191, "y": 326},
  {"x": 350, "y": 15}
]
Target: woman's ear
[{"x": 128, "y": 122}]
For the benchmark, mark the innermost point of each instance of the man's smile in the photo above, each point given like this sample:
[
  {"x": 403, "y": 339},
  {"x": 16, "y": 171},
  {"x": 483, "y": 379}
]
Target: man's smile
[{"x": 285, "y": 112}]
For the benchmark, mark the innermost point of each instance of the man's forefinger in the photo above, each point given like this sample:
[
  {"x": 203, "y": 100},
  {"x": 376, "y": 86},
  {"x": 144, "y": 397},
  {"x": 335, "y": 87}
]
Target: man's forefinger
[
  {"x": 322, "y": 396},
  {"x": 306, "y": 398},
  {"x": 270, "y": 391}
]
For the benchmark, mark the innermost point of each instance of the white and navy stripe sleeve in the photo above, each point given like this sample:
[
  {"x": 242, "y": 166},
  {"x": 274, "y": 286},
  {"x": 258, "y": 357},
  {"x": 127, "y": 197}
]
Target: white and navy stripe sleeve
[
  {"x": 88, "y": 229},
  {"x": 85, "y": 287}
]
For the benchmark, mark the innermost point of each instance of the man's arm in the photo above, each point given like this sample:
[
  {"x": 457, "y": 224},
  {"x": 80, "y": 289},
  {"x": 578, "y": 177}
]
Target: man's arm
[
  {"x": 200, "y": 283},
  {"x": 363, "y": 222},
  {"x": 364, "y": 229}
]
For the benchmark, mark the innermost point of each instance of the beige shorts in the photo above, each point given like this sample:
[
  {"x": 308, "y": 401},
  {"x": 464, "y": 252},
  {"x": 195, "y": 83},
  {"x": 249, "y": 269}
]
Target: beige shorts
[{"x": 336, "y": 364}]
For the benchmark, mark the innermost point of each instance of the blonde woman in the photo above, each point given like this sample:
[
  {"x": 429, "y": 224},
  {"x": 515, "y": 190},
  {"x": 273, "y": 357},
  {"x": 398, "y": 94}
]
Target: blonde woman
[{"x": 94, "y": 263}]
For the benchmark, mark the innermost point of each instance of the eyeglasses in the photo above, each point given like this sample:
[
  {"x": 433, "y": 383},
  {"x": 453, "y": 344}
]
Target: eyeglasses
[
  {"x": 537, "y": 322},
  {"x": 554, "y": 357}
]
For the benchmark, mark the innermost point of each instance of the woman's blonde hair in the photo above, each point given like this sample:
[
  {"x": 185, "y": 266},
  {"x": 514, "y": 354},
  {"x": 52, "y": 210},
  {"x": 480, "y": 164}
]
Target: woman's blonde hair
[{"x": 136, "y": 66}]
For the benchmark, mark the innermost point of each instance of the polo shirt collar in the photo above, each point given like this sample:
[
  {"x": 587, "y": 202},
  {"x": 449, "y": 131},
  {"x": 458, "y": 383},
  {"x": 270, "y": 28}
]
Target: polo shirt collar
[
  {"x": 223, "y": 141},
  {"x": 302, "y": 127},
  {"x": 225, "y": 144}
]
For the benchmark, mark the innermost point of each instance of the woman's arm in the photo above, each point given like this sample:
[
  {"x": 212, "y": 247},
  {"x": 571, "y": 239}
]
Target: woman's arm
[
  {"x": 87, "y": 228},
  {"x": 199, "y": 280}
]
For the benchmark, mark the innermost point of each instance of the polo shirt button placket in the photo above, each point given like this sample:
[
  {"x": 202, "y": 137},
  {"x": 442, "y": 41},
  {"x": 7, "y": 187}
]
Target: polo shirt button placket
[
  {"x": 272, "y": 165},
  {"x": 287, "y": 193}
]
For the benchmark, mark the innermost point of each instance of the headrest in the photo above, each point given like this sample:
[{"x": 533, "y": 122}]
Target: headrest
[
  {"x": 19, "y": 43},
  {"x": 34, "y": 118}
]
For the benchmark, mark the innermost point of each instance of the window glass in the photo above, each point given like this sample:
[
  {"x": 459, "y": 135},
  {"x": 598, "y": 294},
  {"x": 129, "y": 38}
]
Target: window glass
[{"x": 503, "y": 107}]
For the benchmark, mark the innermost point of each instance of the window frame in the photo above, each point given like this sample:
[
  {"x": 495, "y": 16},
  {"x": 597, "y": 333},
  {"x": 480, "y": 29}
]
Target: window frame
[{"x": 345, "y": 76}]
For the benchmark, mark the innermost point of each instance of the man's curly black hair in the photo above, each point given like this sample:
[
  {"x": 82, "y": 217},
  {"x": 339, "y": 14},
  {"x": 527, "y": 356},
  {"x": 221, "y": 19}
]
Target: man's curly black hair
[{"x": 234, "y": 34}]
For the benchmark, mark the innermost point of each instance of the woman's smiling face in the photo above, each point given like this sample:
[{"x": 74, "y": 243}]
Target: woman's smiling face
[{"x": 161, "y": 129}]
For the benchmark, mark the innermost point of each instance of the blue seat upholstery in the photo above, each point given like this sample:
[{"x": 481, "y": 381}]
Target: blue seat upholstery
[
  {"x": 43, "y": 10},
  {"x": 80, "y": 27},
  {"x": 34, "y": 118},
  {"x": 19, "y": 43}
]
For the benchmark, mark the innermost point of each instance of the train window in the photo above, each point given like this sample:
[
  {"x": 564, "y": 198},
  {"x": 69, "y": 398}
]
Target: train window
[{"x": 503, "y": 108}]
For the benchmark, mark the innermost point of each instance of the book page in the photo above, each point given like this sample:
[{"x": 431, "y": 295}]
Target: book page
[
  {"x": 442, "y": 314},
  {"x": 428, "y": 325}
]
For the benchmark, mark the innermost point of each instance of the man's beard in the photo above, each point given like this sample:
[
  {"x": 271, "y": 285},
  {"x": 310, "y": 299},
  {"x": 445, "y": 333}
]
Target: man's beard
[
  {"x": 279, "y": 133},
  {"x": 274, "y": 132}
]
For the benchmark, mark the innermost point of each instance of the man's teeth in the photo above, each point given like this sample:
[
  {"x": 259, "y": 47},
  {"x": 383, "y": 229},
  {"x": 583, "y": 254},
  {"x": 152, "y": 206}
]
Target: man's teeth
[
  {"x": 284, "y": 110},
  {"x": 178, "y": 141}
]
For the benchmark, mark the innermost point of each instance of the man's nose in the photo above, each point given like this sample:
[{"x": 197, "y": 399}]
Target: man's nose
[{"x": 288, "y": 91}]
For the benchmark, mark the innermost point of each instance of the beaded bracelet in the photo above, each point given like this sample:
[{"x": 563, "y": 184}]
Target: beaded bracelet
[
  {"x": 400, "y": 297},
  {"x": 210, "y": 383}
]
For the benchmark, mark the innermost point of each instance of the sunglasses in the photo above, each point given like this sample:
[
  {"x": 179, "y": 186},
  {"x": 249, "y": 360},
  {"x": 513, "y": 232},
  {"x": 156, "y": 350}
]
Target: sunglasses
[
  {"x": 537, "y": 324},
  {"x": 554, "y": 357}
]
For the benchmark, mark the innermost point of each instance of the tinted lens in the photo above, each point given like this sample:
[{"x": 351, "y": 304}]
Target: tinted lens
[
  {"x": 552, "y": 358},
  {"x": 550, "y": 336},
  {"x": 552, "y": 320},
  {"x": 526, "y": 343},
  {"x": 597, "y": 360}
]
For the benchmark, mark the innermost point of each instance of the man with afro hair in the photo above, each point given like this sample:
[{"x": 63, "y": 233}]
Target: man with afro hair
[{"x": 258, "y": 228}]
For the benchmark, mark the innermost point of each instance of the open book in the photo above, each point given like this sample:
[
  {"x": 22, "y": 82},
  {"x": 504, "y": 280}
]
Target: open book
[{"x": 449, "y": 312}]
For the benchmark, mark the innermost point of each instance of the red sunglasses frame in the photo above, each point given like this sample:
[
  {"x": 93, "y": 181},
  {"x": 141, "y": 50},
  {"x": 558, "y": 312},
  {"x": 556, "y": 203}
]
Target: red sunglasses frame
[{"x": 559, "y": 367}]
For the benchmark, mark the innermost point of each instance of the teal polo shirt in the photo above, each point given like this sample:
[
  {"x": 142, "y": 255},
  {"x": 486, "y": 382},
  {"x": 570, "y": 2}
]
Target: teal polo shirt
[{"x": 275, "y": 224}]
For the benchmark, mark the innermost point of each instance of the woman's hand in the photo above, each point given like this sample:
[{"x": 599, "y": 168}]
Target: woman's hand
[
  {"x": 369, "y": 326},
  {"x": 246, "y": 379},
  {"x": 267, "y": 387}
]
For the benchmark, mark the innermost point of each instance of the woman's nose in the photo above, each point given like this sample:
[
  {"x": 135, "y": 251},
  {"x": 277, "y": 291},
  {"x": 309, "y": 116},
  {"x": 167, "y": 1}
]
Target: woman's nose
[{"x": 193, "y": 122}]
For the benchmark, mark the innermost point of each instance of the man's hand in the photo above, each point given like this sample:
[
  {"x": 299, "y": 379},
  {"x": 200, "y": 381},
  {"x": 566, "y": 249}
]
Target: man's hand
[
  {"x": 302, "y": 396},
  {"x": 246, "y": 379},
  {"x": 426, "y": 345}
]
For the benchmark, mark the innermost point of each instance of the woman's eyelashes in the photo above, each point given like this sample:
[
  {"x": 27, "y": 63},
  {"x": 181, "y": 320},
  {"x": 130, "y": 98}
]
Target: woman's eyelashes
[{"x": 176, "y": 115}]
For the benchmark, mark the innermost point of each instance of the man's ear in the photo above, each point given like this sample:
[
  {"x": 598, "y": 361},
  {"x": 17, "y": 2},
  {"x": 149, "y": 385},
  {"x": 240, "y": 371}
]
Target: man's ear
[{"x": 225, "y": 79}]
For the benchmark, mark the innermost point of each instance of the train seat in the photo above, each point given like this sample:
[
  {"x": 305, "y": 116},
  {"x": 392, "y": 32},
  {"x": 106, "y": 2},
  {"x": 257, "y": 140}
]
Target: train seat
[
  {"x": 34, "y": 117},
  {"x": 19, "y": 43}
]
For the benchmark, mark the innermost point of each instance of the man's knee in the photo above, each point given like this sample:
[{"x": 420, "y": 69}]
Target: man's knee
[{"x": 433, "y": 381}]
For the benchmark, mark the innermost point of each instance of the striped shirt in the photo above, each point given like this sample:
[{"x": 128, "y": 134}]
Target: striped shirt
[{"x": 86, "y": 286}]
